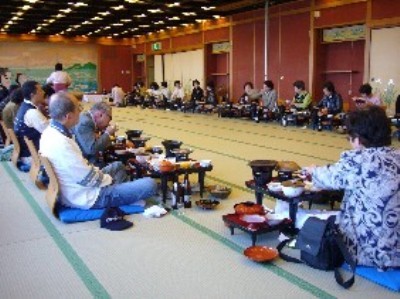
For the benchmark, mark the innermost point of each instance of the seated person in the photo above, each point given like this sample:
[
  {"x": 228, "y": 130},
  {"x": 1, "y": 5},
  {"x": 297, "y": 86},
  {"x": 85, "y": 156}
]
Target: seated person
[
  {"x": 196, "y": 97},
  {"x": 166, "y": 93},
  {"x": 11, "y": 109},
  {"x": 269, "y": 99},
  {"x": 330, "y": 105},
  {"x": 30, "y": 121},
  {"x": 153, "y": 97},
  {"x": 118, "y": 95},
  {"x": 302, "y": 98},
  {"x": 178, "y": 96},
  {"x": 48, "y": 92},
  {"x": 369, "y": 217},
  {"x": 366, "y": 98},
  {"x": 93, "y": 131},
  {"x": 82, "y": 185},
  {"x": 251, "y": 97},
  {"x": 210, "y": 97}
]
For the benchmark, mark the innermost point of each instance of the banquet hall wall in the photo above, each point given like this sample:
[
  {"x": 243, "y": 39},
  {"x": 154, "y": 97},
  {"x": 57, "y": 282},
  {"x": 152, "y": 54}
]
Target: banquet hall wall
[{"x": 294, "y": 48}]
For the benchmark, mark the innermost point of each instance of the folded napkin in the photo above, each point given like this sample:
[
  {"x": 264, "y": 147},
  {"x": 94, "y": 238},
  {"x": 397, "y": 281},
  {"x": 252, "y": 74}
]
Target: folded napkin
[{"x": 154, "y": 211}]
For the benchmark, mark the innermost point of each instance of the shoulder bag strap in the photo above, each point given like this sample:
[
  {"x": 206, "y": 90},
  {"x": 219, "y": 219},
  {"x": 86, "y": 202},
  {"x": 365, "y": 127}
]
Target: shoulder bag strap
[
  {"x": 284, "y": 256},
  {"x": 349, "y": 260}
]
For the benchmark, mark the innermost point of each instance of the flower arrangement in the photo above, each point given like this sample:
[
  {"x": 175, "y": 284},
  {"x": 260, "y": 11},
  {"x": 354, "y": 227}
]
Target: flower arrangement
[{"x": 387, "y": 93}]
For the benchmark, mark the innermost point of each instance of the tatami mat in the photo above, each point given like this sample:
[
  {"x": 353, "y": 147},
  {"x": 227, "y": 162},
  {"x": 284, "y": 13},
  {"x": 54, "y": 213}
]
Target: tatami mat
[{"x": 178, "y": 256}]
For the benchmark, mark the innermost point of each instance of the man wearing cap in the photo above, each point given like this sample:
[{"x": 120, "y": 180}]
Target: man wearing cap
[{"x": 82, "y": 185}]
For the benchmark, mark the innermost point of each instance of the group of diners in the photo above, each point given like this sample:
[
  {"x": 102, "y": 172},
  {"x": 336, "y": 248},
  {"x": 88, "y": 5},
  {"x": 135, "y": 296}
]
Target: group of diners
[
  {"x": 161, "y": 97},
  {"x": 258, "y": 105},
  {"x": 71, "y": 139}
]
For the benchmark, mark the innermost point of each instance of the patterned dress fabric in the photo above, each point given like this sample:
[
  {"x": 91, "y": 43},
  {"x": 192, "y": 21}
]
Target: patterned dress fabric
[{"x": 370, "y": 211}]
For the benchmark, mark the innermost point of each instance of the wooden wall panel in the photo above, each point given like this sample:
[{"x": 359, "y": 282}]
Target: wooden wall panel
[
  {"x": 242, "y": 62},
  {"x": 138, "y": 48},
  {"x": 259, "y": 53},
  {"x": 186, "y": 41},
  {"x": 115, "y": 66},
  {"x": 220, "y": 34},
  {"x": 294, "y": 52},
  {"x": 273, "y": 52},
  {"x": 340, "y": 15},
  {"x": 382, "y": 9}
]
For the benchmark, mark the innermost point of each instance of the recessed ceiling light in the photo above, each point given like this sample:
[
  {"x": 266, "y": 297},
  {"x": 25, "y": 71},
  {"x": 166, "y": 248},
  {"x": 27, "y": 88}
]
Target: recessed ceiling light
[
  {"x": 175, "y": 18},
  {"x": 119, "y": 7},
  {"x": 15, "y": 18},
  {"x": 189, "y": 14},
  {"x": 106, "y": 28},
  {"x": 19, "y": 13},
  {"x": 59, "y": 16},
  {"x": 96, "y": 18},
  {"x": 69, "y": 29},
  {"x": 140, "y": 16},
  {"x": 104, "y": 13},
  {"x": 78, "y": 4},
  {"x": 31, "y": 1},
  {"x": 67, "y": 10},
  {"x": 217, "y": 17},
  {"x": 207, "y": 7},
  {"x": 10, "y": 22},
  {"x": 157, "y": 10},
  {"x": 87, "y": 23},
  {"x": 33, "y": 31},
  {"x": 173, "y": 4},
  {"x": 126, "y": 20},
  {"x": 144, "y": 26},
  {"x": 118, "y": 24},
  {"x": 25, "y": 7}
]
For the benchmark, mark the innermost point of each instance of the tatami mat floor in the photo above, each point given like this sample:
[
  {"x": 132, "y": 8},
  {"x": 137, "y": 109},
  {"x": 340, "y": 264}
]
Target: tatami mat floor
[{"x": 177, "y": 256}]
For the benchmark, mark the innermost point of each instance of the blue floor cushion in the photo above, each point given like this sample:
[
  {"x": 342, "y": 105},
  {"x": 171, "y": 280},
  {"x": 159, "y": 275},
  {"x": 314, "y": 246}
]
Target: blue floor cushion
[
  {"x": 389, "y": 278},
  {"x": 70, "y": 215}
]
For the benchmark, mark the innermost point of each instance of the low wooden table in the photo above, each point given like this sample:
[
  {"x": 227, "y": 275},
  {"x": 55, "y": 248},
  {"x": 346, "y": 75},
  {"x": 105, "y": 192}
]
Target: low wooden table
[
  {"x": 254, "y": 229},
  {"x": 173, "y": 175}
]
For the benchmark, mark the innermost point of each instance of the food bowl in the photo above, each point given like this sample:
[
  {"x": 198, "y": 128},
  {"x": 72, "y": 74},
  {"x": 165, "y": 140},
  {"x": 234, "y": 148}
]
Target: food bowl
[
  {"x": 207, "y": 204},
  {"x": 261, "y": 254},
  {"x": 205, "y": 163},
  {"x": 133, "y": 133},
  {"x": 166, "y": 166},
  {"x": 120, "y": 151},
  {"x": 292, "y": 189},
  {"x": 142, "y": 158},
  {"x": 248, "y": 208},
  {"x": 220, "y": 192},
  {"x": 274, "y": 186}
]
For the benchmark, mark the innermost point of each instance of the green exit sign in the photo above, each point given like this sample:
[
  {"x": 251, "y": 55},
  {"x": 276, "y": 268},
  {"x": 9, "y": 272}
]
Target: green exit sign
[{"x": 156, "y": 46}]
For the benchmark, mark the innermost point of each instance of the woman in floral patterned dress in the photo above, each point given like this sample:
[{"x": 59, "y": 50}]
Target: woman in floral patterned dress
[{"x": 370, "y": 176}]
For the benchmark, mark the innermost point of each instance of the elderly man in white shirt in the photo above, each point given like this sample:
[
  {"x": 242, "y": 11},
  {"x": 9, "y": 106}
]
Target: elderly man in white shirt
[{"x": 59, "y": 79}]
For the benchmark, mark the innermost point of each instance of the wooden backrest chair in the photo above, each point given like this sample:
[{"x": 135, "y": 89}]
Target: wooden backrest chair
[
  {"x": 7, "y": 142},
  {"x": 35, "y": 165},
  {"x": 53, "y": 189},
  {"x": 17, "y": 148}
]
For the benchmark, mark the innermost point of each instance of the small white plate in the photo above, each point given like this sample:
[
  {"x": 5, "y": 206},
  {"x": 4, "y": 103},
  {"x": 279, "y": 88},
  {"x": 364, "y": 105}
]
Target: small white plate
[{"x": 254, "y": 218}]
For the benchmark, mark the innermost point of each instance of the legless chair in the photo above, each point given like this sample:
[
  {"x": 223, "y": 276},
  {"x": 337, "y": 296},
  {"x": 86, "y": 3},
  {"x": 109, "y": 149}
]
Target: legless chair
[
  {"x": 53, "y": 189},
  {"x": 35, "y": 166},
  {"x": 7, "y": 142},
  {"x": 17, "y": 148}
]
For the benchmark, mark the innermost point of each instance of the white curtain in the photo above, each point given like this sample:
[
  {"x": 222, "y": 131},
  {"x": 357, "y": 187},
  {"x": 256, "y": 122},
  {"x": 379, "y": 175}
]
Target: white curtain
[
  {"x": 384, "y": 59},
  {"x": 182, "y": 66}
]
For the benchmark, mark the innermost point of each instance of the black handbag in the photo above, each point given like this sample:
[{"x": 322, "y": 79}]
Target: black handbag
[{"x": 321, "y": 247}]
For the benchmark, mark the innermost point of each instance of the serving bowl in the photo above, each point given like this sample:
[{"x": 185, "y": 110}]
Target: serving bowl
[
  {"x": 248, "y": 208},
  {"x": 220, "y": 192},
  {"x": 274, "y": 186},
  {"x": 133, "y": 133},
  {"x": 292, "y": 189},
  {"x": 207, "y": 204},
  {"x": 261, "y": 254}
]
